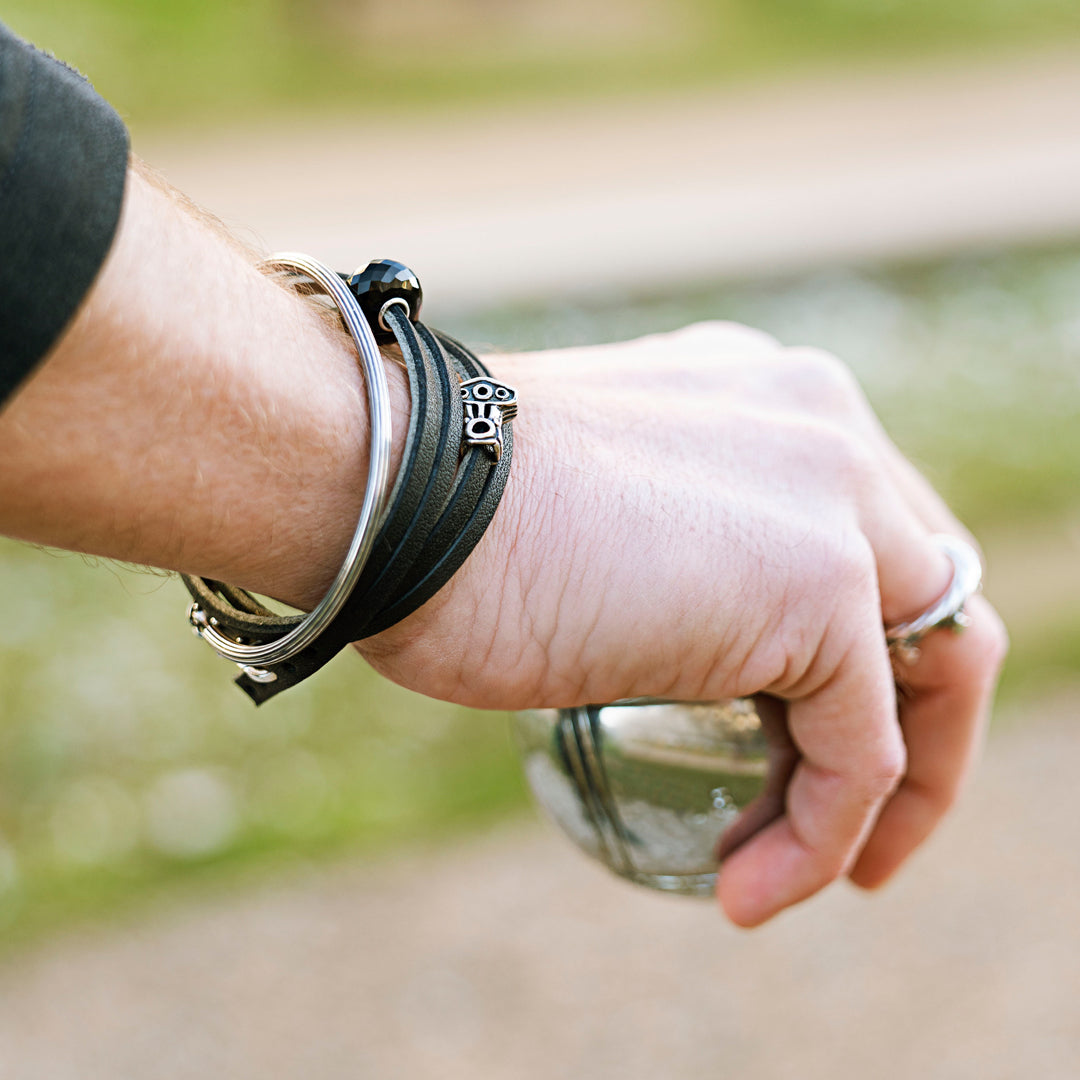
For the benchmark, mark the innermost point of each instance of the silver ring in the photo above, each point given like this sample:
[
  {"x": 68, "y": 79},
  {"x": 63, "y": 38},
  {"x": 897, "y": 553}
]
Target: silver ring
[
  {"x": 378, "y": 394},
  {"x": 947, "y": 612}
]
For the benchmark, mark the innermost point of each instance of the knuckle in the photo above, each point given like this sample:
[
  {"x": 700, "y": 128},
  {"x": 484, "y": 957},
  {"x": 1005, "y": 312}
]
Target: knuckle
[
  {"x": 881, "y": 773},
  {"x": 844, "y": 456},
  {"x": 891, "y": 765},
  {"x": 820, "y": 380},
  {"x": 850, "y": 568},
  {"x": 856, "y": 562},
  {"x": 721, "y": 335}
]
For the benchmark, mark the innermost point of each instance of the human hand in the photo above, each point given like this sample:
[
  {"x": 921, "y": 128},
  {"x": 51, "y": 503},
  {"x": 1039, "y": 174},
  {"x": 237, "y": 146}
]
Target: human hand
[
  {"x": 699, "y": 515},
  {"x": 704, "y": 515}
]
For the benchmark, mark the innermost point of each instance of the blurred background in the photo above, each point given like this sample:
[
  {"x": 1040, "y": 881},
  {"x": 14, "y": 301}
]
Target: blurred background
[{"x": 350, "y": 881}]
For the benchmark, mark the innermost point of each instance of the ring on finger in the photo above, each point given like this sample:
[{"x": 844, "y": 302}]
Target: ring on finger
[{"x": 945, "y": 613}]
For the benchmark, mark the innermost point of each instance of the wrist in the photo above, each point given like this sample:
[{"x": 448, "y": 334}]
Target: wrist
[{"x": 301, "y": 561}]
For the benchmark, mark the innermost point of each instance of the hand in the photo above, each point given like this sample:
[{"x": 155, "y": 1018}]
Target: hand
[
  {"x": 697, "y": 515},
  {"x": 705, "y": 515}
]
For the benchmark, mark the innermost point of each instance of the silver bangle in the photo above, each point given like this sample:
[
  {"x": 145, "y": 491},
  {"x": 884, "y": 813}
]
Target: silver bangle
[{"x": 251, "y": 657}]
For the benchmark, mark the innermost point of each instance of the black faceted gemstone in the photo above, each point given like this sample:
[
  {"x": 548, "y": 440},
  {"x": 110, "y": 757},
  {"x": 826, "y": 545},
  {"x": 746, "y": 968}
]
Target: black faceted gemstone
[{"x": 382, "y": 280}]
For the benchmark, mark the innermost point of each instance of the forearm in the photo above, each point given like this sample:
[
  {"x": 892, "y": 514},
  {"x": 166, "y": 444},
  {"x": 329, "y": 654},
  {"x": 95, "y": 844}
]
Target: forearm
[{"x": 194, "y": 416}]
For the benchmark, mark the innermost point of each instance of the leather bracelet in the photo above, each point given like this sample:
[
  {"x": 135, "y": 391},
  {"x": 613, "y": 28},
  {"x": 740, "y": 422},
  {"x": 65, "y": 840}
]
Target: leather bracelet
[
  {"x": 411, "y": 514},
  {"x": 443, "y": 498},
  {"x": 467, "y": 514},
  {"x": 431, "y": 376},
  {"x": 426, "y": 470}
]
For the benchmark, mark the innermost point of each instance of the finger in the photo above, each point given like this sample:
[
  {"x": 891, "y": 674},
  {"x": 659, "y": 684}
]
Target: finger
[
  {"x": 920, "y": 495},
  {"x": 814, "y": 378},
  {"x": 944, "y": 716},
  {"x": 856, "y": 457},
  {"x": 912, "y": 570},
  {"x": 852, "y": 758},
  {"x": 768, "y": 805},
  {"x": 917, "y": 492}
]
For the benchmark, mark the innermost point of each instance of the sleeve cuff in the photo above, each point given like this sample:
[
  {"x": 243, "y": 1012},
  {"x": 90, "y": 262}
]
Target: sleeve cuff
[{"x": 63, "y": 164}]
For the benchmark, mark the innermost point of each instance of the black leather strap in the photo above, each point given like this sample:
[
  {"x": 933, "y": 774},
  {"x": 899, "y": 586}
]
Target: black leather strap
[
  {"x": 423, "y": 486},
  {"x": 389, "y": 566},
  {"x": 478, "y": 490},
  {"x": 443, "y": 499}
]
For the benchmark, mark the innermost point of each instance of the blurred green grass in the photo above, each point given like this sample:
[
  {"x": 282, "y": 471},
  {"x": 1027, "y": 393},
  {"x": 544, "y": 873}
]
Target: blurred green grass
[
  {"x": 129, "y": 763},
  {"x": 131, "y": 768},
  {"x": 198, "y": 62}
]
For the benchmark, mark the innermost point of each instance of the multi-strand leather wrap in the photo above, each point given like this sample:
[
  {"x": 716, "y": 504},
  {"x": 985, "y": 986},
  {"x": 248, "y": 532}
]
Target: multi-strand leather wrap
[{"x": 456, "y": 460}]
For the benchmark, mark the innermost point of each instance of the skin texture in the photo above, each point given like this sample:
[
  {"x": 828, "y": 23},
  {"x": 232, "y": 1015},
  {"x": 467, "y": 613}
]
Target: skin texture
[{"x": 696, "y": 515}]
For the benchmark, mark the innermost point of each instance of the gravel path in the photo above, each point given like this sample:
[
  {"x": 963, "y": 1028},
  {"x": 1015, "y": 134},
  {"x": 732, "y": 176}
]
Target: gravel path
[{"x": 511, "y": 957}]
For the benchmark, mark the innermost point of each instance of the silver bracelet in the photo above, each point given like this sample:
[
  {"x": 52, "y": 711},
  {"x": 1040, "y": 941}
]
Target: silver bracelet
[{"x": 249, "y": 657}]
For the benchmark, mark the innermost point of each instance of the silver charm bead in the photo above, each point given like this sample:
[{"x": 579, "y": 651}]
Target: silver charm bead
[{"x": 488, "y": 405}]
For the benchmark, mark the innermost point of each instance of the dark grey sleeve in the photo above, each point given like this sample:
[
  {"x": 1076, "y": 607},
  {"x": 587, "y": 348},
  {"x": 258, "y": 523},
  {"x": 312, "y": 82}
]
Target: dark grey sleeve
[{"x": 63, "y": 160}]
